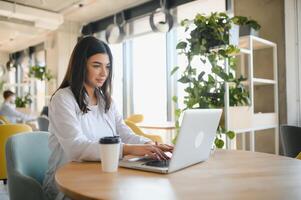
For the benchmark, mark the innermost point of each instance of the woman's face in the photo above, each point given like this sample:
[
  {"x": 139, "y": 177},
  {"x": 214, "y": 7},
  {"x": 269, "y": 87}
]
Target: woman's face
[{"x": 98, "y": 69}]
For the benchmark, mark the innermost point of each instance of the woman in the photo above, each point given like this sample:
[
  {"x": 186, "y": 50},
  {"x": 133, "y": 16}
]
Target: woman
[{"x": 81, "y": 111}]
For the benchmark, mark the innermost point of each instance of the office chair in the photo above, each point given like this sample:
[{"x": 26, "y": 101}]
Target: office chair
[
  {"x": 27, "y": 157},
  {"x": 299, "y": 156},
  {"x": 138, "y": 131},
  {"x": 135, "y": 118},
  {"x": 43, "y": 123},
  {"x": 7, "y": 130},
  {"x": 4, "y": 119},
  {"x": 291, "y": 140}
]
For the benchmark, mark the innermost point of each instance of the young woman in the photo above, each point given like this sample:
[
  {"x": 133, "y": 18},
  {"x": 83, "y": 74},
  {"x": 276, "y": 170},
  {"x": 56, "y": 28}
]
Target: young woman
[{"x": 82, "y": 111}]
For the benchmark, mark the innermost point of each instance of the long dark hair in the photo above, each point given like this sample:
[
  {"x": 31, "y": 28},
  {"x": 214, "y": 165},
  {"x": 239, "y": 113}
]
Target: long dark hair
[{"x": 77, "y": 70}]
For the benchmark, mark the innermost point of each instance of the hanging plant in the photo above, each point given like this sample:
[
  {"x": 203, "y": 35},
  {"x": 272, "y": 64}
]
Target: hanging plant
[
  {"x": 208, "y": 42},
  {"x": 21, "y": 102},
  {"x": 40, "y": 72}
]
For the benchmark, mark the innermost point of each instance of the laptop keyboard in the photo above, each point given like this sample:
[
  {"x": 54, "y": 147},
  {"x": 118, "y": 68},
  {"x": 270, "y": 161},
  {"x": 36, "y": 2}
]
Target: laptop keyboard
[{"x": 157, "y": 163}]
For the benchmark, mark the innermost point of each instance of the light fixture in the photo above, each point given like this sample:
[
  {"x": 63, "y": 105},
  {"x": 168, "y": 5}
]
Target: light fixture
[
  {"x": 115, "y": 32},
  {"x": 166, "y": 24}
]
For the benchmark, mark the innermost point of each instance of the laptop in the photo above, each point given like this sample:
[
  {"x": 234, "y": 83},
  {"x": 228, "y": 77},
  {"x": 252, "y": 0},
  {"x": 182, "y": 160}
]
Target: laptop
[{"x": 194, "y": 143}]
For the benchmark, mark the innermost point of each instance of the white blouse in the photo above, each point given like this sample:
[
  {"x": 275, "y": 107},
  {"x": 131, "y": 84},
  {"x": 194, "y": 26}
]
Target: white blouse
[{"x": 74, "y": 136}]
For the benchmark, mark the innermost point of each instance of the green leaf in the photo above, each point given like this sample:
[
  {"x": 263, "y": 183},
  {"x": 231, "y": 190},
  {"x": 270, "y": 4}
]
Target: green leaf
[
  {"x": 175, "y": 99},
  {"x": 181, "y": 45},
  {"x": 174, "y": 70},
  {"x": 211, "y": 79},
  {"x": 184, "y": 22},
  {"x": 219, "y": 143},
  {"x": 200, "y": 76},
  {"x": 178, "y": 112},
  {"x": 230, "y": 134},
  {"x": 184, "y": 79}
]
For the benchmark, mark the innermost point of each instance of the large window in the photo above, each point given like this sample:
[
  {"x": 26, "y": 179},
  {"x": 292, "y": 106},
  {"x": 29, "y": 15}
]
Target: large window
[
  {"x": 117, "y": 75},
  {"x": 149, "y": 76}
]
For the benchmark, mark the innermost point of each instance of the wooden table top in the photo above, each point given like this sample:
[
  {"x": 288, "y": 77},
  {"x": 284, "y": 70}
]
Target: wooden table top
[{"x": 228, "y": 174}]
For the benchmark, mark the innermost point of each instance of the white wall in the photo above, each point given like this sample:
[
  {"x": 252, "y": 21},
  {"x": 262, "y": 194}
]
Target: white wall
[
  {"x": 3, "y": 58},
  {"x": 293, "y": 60},
  {"x": 59, "y": 47}
]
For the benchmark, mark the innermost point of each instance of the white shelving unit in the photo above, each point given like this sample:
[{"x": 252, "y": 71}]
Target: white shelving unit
[{"x": 263, "y": 89}]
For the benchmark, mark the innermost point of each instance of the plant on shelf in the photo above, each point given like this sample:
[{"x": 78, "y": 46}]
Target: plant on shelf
[
  {"x": 21, "y": 102},
  {"x": 40, "y": 72},
  {"x": 208, "y": 44},
  {"x": 244, "y": 21}
]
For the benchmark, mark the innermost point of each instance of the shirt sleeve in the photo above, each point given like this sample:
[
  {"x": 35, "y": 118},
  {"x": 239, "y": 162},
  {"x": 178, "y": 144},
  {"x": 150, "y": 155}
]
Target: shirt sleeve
[
  {"x": 12, "y": 112},
  {"x": 67, "y": 128}
]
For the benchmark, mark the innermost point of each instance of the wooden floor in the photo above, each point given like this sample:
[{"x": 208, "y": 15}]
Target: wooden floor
[{"x": 3, "y": 191}]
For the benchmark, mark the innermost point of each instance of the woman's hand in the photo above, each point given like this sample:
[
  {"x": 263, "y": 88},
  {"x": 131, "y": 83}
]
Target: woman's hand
[
  {"x": 155, "y": 151},
  {"x": 163, "y": 147}
]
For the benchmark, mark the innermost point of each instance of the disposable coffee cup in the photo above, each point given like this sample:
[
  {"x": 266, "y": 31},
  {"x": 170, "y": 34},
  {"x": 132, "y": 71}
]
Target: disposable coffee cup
[{"x": 109, "y": 153}]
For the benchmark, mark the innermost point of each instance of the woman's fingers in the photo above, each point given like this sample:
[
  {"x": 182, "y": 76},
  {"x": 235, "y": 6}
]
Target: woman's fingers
[
  {"x": 160, "y": 153},
  {"x": 166, "y": 147}
]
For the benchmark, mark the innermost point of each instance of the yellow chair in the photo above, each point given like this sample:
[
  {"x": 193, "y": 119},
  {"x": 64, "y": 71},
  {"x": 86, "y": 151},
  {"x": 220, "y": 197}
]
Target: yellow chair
[
  {"x": 138, "y": 131},
  {"x": 135, "y": 118},
  {"x": 299, "y": 156},
  {"x": 4, "y": 119},
  {"x": 7, "y": 130}
]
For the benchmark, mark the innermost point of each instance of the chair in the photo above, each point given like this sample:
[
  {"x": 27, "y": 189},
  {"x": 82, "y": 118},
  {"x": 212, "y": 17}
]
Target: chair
[
  {"x": 299, "y": 156},
  {"x": 290, "y": 140},
  {"x": 138, "y": 131},
  {"x": 43, "y": 123},
  {"x": 4, "y": 119},
  {"x": 7, "y": 130},
  {"x": 135, "y": 118},
  {"x": 27, "y": 157}
]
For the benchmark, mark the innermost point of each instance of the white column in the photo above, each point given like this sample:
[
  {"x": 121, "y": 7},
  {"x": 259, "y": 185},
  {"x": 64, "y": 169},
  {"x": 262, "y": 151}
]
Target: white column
[
  {"x": 293, "y": 60},
  {"x": 59, "y": 47}
]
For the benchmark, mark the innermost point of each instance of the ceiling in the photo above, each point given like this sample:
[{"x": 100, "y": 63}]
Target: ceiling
[{"x": 27, "y": 22}]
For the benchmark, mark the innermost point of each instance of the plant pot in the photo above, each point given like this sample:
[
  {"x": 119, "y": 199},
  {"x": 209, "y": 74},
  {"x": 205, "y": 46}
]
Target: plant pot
[
  {"x": 247, "y": 30},
  {"x": 240, "y": 117}
]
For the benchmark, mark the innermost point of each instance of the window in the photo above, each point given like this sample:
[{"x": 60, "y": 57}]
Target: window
[
  {"x": 39, "y": 86},
  {"x": 117, "y": 75},
  {"x": 149, "y": 76}
]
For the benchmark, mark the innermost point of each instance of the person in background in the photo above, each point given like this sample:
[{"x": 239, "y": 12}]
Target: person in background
[
  {"x": 8, "y": 109},
  {"x": 82, "y": 111}
]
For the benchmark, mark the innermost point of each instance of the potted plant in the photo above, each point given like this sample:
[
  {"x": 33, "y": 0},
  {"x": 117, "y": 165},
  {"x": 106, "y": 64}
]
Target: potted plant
[
  {"x": 21, "y": 102},
  {"x": 40, "y": 72},
  {"x": 246, "y": 26},
  {"x": 208, "y": 42}
]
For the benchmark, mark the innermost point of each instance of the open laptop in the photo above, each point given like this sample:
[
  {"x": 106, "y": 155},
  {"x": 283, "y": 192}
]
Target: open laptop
[{"x": 195, "y": 139}]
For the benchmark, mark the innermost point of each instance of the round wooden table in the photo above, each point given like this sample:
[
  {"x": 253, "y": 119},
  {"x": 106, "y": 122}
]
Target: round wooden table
[{"x": 228, "y": 174}]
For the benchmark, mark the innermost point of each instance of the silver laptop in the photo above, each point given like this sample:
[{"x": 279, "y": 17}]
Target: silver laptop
[{"x": 197, "y": 133}]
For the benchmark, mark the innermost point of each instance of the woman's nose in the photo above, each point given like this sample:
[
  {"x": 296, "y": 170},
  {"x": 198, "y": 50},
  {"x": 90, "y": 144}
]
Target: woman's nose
[{"x": 103, "y": 71}]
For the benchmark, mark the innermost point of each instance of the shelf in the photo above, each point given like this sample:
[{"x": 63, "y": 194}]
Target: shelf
[
  {"x": 242, "y": 120},
  {"x": 242, "y": 51},
  {"x": 261, "y": 81},
  {"x": 264, "y": 121},
  {"x": 258, "y": 43},
  {"x": 240, "y": 117}
]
